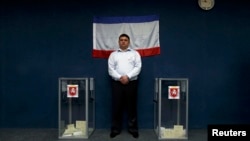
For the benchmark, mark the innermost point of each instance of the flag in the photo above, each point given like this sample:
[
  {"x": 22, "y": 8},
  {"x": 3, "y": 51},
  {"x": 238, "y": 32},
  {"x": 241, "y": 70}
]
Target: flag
[{"x": 142, "y": 30}]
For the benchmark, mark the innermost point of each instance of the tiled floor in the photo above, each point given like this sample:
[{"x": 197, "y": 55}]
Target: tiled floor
[{"x": 98, "y": 135}]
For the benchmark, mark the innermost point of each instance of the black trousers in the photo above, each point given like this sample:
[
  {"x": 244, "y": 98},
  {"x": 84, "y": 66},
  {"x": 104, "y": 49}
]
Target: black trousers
[{"x": 124, "y": 98}]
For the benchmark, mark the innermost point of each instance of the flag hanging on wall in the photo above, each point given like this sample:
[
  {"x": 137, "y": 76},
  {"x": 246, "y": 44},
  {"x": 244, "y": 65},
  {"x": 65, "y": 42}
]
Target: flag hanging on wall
[{"x": 143, "y": 32}]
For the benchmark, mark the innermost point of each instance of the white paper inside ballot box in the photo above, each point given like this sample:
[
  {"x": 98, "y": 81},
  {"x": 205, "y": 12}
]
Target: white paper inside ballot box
[
  {"x": 176, "y": 132},
  {"x": 168, "y": 133},
  {"x": 179, "y": 131},
  {"x": 81, "y": 126}
]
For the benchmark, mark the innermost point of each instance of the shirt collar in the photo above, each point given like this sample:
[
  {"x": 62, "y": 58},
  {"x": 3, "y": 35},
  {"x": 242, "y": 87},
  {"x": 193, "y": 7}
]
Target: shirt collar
[{"x": 128, "y": 49}]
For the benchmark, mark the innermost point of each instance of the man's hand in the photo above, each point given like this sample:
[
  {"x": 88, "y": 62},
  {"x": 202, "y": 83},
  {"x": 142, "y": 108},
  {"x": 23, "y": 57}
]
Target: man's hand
[{"x": 124, "y": 79}]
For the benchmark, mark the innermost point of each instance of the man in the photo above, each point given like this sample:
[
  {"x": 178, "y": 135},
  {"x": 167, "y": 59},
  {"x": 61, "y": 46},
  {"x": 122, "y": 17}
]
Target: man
[{"x": 124, "y": 66}]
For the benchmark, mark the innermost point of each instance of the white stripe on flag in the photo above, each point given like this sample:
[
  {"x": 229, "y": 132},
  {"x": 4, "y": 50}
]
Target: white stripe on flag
[{"x": 143, "y": 32}]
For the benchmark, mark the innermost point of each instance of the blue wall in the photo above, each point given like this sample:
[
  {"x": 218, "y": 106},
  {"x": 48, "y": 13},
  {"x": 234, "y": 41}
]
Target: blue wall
[{"x": 40, "y": 42}]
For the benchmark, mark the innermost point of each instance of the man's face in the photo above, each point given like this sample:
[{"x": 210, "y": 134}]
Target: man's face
[{"x": 123, "y": 42}]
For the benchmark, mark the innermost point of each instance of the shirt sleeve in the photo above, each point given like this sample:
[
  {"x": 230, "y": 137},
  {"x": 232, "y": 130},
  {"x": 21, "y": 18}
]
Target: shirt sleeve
[
  {"x": 137, "y": 66},
  {"x": 111, "y": 67}
]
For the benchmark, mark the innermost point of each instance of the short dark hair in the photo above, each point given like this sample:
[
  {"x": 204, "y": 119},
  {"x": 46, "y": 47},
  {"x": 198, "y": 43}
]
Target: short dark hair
[{"x": 124, "y": 35}]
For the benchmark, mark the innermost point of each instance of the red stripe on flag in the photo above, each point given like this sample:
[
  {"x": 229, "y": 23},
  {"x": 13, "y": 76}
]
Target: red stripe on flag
[
  {"x": 101, "y": 53},
  {"x": 143, "y": 52},
  {"x": 149, "y": 51}
]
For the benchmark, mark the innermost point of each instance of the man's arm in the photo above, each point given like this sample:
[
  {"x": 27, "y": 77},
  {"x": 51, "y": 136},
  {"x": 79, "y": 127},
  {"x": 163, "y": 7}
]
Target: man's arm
[
  {"x": 137, "y": 66},
  {"x": 111, "y": 68}
]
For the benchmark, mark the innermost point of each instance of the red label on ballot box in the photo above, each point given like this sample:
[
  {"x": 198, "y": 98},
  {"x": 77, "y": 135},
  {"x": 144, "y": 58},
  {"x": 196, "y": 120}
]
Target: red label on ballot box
[
  {"x": 173, "y": 92},
  {"x": 72, "y": 91}
]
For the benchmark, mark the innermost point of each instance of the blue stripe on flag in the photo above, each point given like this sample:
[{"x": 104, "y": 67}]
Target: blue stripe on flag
[{"x": 125, "y": 19}]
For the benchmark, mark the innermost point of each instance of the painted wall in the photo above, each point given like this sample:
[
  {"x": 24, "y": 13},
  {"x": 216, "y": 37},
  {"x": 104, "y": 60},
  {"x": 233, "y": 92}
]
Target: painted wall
[{"x": 40, "y": 42}]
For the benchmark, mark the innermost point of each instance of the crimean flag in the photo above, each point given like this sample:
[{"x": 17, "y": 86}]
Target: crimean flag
[{"x": 142, "y": 30}]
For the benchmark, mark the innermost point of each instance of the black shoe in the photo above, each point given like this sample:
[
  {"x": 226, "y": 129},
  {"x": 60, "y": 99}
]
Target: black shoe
[
  {"x": 113, "y": 134},
  {"x": 134, "y": 134}
]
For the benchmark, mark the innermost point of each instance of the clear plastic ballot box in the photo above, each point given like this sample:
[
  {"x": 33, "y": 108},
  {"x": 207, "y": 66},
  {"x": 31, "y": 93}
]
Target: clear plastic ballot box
[
  {"x": 171, "y": 108},
  {"x": 76, "y": 108}
]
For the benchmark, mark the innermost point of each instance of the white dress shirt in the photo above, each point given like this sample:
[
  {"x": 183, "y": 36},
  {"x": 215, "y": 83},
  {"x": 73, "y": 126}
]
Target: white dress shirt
[{"x": 124, "y": 63}]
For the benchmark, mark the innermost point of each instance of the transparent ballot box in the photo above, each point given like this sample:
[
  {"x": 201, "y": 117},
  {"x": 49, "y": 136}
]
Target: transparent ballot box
[
  {"x": 171, "y": 108},
  {"x": 76, "y": 108}
]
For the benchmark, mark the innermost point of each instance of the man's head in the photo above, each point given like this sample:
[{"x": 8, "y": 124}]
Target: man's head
[{"x": 124, "y": 41}]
